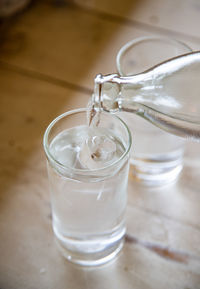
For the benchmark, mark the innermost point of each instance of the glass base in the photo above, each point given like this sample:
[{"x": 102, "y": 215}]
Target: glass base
[
  {"x": 90, "y": 251},
  {"x": 155, "y": 174},
  {"x": 89, "y": 260}
]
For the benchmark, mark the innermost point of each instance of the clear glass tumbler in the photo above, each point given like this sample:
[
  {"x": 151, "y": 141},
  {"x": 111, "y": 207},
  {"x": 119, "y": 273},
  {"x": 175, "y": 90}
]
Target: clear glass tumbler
[
  {"x": 88, "y": 204},
  {"x": 157, "y": 156}
]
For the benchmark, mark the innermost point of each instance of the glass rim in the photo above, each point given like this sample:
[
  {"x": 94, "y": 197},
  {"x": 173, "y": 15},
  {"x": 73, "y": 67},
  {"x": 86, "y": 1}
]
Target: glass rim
[
  {"x": 82, "y": 171},
  {"x": 137, "y": 40}
]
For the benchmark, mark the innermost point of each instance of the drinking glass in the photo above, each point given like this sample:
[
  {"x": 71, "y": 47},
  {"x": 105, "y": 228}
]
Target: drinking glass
[
  {"x": 157, "y": 156},
  {"x": 88, "y": 204}
]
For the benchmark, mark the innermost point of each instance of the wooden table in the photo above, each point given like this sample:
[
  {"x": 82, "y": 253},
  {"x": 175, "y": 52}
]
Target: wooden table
[{"x": 49, "y": 55}]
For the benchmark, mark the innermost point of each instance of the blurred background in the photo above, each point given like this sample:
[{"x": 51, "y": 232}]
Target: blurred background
[{"x": 50, "y": 52}]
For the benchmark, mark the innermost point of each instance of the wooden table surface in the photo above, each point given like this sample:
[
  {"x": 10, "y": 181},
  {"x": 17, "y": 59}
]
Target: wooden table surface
[{"x": 49, "y": 55}]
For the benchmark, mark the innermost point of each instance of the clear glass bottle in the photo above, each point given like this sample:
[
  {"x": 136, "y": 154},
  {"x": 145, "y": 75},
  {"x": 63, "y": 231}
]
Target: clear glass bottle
[{"x": 167, "y": 95}]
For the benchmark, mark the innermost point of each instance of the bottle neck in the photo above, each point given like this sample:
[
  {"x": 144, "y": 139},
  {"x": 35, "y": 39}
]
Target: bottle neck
[{"x": 114, "y": 93}]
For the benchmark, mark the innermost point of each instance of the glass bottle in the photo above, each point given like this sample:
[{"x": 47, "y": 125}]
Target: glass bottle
[{"x": 167, "y": 95}]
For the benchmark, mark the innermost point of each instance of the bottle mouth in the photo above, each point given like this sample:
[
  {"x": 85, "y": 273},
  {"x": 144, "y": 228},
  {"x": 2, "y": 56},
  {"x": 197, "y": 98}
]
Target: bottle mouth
[{"x": 106, "y": 95}]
